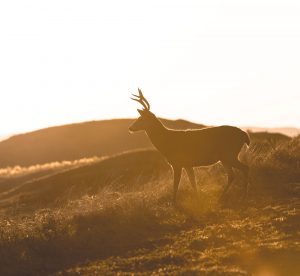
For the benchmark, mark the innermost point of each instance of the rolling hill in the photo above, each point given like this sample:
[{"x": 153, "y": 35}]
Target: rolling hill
[
  {"x": 75, "y": 141},
  {"x": 126, "y": 171},
  {"x": 288, "y": 131},
  {"x": 114, "y": 215},
  {"x": 71, "y": 142}
]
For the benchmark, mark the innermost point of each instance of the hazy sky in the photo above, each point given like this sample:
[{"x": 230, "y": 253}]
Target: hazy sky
[{"x": 213, "y": 62}]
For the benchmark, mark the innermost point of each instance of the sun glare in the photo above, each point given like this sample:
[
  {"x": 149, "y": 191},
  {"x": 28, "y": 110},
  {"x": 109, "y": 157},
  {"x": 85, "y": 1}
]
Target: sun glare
[{"x": 212, "y": 62}]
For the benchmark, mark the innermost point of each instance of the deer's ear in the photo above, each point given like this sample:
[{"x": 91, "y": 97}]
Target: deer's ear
[{"x": 141, "y": 111}]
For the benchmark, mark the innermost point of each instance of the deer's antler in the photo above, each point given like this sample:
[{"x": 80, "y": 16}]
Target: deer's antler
[{"x": 141, "y": 99}]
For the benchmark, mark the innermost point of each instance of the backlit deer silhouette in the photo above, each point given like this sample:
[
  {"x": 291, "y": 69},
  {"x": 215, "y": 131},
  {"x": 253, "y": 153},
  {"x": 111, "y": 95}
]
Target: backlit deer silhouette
[{"x": 192, "y": 148}]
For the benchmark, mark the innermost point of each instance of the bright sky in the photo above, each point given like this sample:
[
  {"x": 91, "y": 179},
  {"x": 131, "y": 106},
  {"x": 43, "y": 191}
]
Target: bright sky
[{"x": 212, "y": 62}]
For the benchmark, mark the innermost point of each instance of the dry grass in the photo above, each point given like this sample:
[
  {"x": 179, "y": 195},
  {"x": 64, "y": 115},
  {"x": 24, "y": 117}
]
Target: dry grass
[
  {"x": 18, "y": 171},
  {"x": 128, "y": 225}
]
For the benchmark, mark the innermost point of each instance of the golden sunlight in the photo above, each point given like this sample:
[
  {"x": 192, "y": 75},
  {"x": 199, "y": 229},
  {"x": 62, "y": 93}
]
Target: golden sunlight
[{"x": 206, "y": 61}]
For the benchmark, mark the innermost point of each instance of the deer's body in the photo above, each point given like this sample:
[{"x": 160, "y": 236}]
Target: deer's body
[
  {"x": 192, "y": 148},
  {"x": 203, "y": 147}
]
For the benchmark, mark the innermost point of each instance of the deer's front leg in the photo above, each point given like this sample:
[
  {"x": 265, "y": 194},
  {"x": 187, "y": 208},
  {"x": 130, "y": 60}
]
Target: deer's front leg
[{"x": 177, "y": 175}]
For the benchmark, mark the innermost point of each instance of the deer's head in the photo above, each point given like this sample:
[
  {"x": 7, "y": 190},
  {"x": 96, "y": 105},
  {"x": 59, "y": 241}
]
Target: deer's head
[{"x": 146, "y": 119}]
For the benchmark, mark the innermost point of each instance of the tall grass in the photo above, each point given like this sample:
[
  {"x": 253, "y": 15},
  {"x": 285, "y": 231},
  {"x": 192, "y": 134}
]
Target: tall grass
[
  {"x": 114, "y": 221},
  {"x": 17, "y": 171},
  {"x": 275, "y": 169},
  {"x": 90, "y": 228}
]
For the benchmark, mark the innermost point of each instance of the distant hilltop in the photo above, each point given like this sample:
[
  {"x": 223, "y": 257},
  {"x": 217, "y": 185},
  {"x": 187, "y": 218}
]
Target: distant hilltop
[
  {"x": 75, "y": 141},
  {"x": 4, "y": 137},
  {"x": 95, "y": 138},
  {"x": 289, "y": 131}
]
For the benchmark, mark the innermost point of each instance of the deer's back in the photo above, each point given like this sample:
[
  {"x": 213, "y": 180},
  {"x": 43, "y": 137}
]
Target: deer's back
[{"x": 204, "y": 146}]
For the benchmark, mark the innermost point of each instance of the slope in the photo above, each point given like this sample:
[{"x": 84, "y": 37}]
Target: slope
[{"x": 71, "y": 142}]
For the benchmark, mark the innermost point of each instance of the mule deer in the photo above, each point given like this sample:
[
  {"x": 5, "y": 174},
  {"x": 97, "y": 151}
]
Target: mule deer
[{"x": 192, "y": 148}]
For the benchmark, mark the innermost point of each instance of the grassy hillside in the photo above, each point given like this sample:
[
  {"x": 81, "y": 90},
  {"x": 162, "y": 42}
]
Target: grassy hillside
[
  {"x": 124, "y": 171},
  {"x": 113, "y": 215},
  {"x": 71, "y": 142},
  {"x": 85, "y": 140},
  {"x": 288, "y": 131}
]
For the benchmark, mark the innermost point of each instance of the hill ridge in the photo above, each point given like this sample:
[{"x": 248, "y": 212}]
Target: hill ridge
[{"x": 85, "y": 140}]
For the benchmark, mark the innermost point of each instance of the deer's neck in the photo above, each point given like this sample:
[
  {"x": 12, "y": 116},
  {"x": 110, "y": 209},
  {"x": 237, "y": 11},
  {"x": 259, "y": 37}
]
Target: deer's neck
[{"x": 158, "y": 136}]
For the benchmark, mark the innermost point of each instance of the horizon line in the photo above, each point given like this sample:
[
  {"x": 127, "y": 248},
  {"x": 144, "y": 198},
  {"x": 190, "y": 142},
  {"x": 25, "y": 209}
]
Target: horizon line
[{"x": 6, "y": 136}]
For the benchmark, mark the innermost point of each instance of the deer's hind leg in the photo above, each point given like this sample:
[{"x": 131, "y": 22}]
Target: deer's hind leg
[
  {"x": 191, "y": 174},
  {"x": 230, "y": 177},
  {"x": 245, "y": 170},
  {"x": 177, "y": 175}
]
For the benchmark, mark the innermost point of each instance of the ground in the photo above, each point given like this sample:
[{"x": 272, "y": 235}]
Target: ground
[{"x": 114, "y": 215}]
